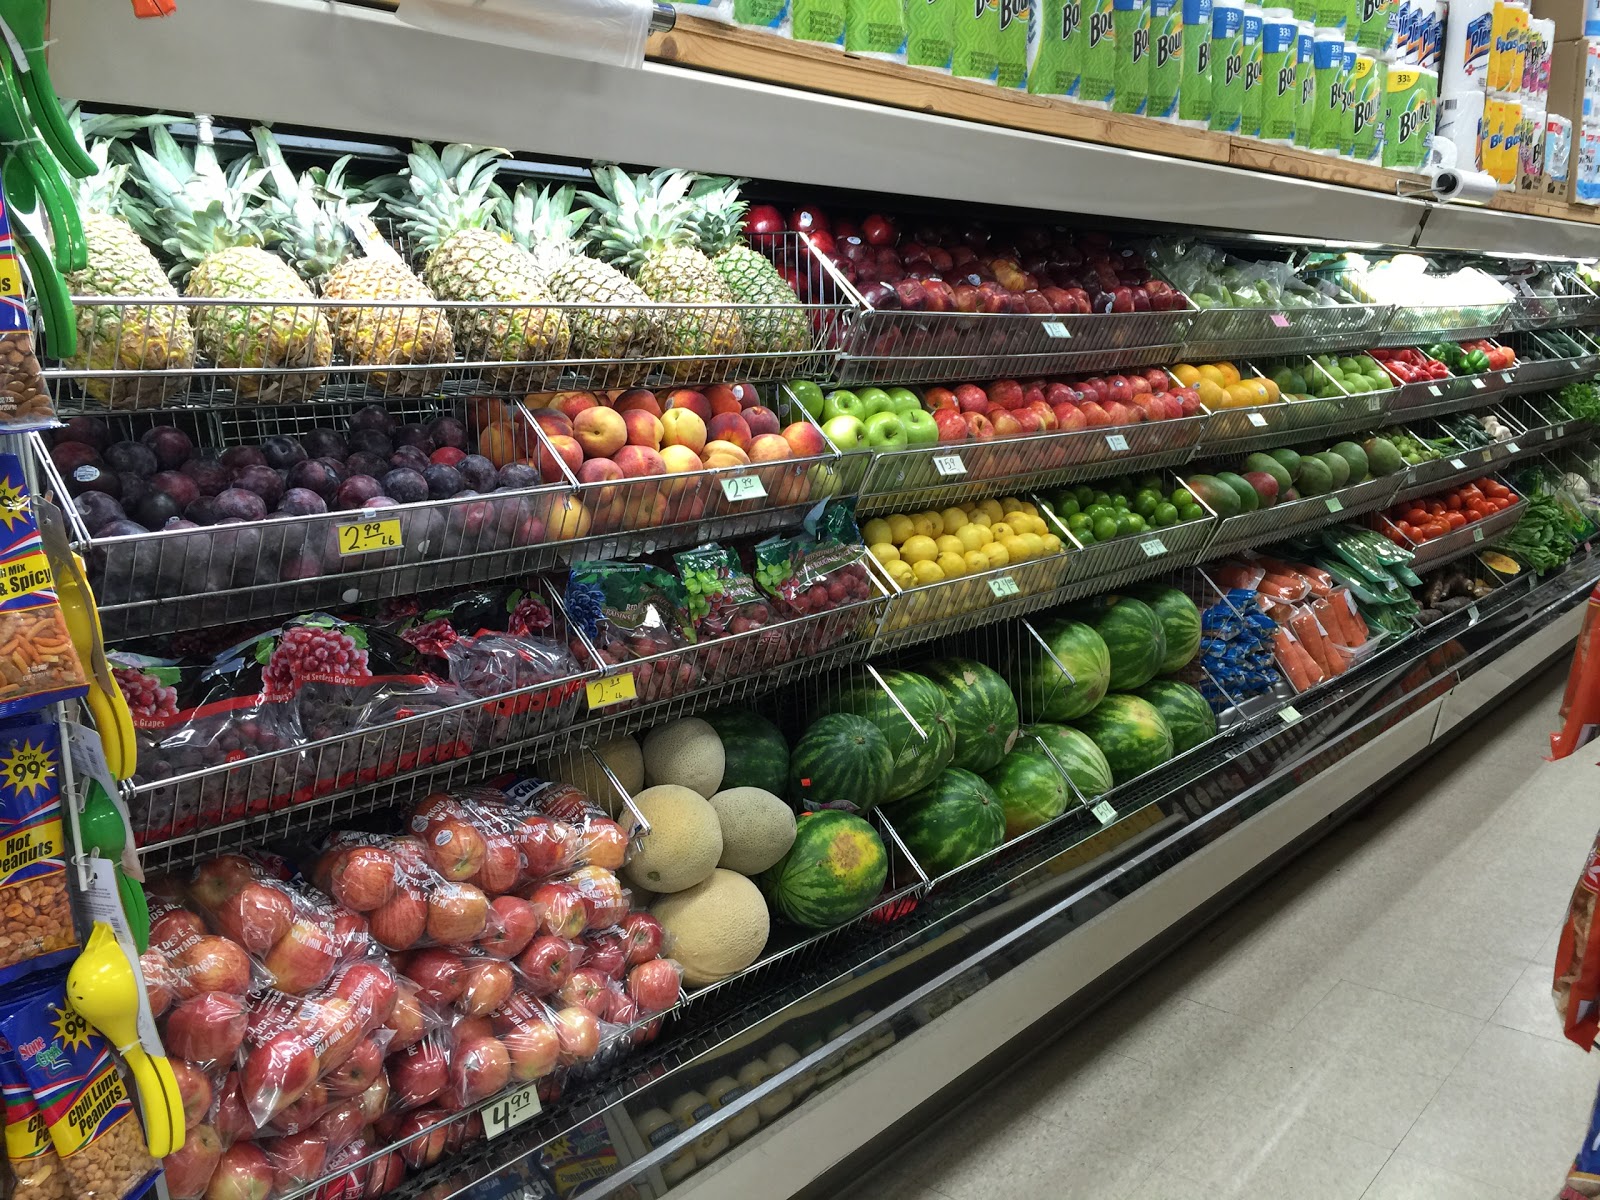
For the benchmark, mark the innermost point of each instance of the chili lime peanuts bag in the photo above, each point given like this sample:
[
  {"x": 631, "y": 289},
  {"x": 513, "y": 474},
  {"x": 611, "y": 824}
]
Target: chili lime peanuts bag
[
  {"x": 35, "y": 1166},
  {"x": 85, "y": 1105},
  {"x": 36, "y": 929}
]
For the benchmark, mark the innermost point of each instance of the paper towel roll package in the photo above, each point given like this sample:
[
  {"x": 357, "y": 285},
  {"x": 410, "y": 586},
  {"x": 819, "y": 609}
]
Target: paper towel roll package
[
  {"x": 1461, "y": 128},
  {"x": 1467, "y": 35},
  {"x": 1469, "y": 187},
  {"x": 1557, "y": 154},
  {"x": 1509, "y": 26}
]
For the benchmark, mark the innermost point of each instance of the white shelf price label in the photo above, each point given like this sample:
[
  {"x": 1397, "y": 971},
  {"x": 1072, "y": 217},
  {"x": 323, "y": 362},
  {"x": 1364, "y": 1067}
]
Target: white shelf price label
[
  {"x": 1003, "y": 587},
  {"x": 1288, "y": 714},
  {"x": 611, "y": 689},
  {"x": 744, "y": 487},
  {"x": 1477, "y": 534},
  {"x": 1478, "y": 383},
  {"x": 1505, "y": 376},
  {"x": 1105, "y": 812},
  {"x": 949, "y": 464},
  {"x": 1511, "y": 448},
  {"x": 1256, "y": 419},
  {"x": 1459, "y": 464},
  {"x": 510, "y": 1111},
  {"x": 1472, "y": 615},
  {"x": 1116, "y": 441},
  {"x": 1374, "y": 403},
  {"x": 1433, "y": 390},
  {"x": 1334, "y": 504},
  {"x": 1278, "y": 319},
  {"x": 1057, "y": 329},
  {"x": 1153, "y": 547},
  {"x": 1561, "y": 431}
]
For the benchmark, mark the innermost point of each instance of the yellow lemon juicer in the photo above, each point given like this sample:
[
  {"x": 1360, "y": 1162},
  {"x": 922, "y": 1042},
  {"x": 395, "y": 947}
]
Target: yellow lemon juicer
[{"x": 105, "y": 992}]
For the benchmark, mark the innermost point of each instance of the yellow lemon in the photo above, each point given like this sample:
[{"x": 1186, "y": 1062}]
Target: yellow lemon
[
  {"x": 1011, "y": 503},
  {"x": 1051, "y": 543},
  {"x": 1211, "y": 394},
  {"x": 1188, "y": 374},
  {"x": 927, "y": 572},
  {"x": 976, "y": 560},
  {"x": 993, "y": 509},
  {"x": 919, "y": 548},
  {"x": 948, "y": 543},
  {"x": 1230, "y": 373},
  {"x": 1211, "y": 373},
  {"x": 954, "y": 518},
  {"x": 997, "y": 555},
  {"x": 1002, "y": 530},
  {"x": 901, "y": 573},
  {"x": 924, "y": 525},
  {"x": 974, "y": 537},
  {"x": 1028, "y": 507},
  {"x": 982, "y": 519},
  {"x": 877, "y": 530},
  {"x": 1033, "y": 542},
  {"x": 953, "y": 565},
  {"x": 1016, "y": 548},
  {"x": 900, "y": 528},
  {"x": 884, "y": 552}
]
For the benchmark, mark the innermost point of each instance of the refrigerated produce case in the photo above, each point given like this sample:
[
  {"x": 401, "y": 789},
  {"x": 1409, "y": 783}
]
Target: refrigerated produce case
[{"x": 830, "y": 1036}]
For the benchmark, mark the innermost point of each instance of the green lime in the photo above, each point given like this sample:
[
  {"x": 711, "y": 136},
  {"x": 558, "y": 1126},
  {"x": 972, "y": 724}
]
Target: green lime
[
  {"x": 1123, "y": 484},
  {"x": 1079, "y": 521},
  {"x": 1100, "y": 510},
  {"x": 1190, "y": 512},
  {"x": 1166, "y": 514},
  {"x": 1066, "y": 506},
  {"x": 1182, "y": 496},
  {"x": 1152, "y": 481},
  {"x": 1129, "y": 522},
  {"x": 1084, "y": 494},
  {"x": 1145, "y": 501},
  {"x": 1105, "y": 528},
  {"x": 1120, "y": 501},
  {"x": 1101, "y": 498}
]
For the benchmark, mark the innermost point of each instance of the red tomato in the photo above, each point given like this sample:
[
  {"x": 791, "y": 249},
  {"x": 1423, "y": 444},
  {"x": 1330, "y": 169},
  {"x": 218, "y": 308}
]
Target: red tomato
[{"x": 1455, "y": 520}]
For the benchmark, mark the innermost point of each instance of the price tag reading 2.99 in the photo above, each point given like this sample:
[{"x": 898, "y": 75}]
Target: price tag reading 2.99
[
  {"x": 510, "y": 1111},
  {"x": 363, "y": 537}
]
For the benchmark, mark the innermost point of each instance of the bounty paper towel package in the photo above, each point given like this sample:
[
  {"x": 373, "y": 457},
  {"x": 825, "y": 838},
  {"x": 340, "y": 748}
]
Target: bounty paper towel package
[
  {"x": 1166, "y": 59},
  {"x": 1055, "y": 47},
  {"x": 1194, "y": 92}
]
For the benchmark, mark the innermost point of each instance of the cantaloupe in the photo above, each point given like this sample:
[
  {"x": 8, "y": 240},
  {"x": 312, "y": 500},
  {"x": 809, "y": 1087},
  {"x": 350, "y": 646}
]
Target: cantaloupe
[
  {"x": 684, "y": 843},
  {"x": 757, "y": 829},
  {"x": 687, "y": 753},
  {"x": 716, "y": 928},
  {"x": 580, "y": 769}
]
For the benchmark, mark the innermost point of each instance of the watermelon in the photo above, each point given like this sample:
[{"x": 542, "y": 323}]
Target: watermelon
[
  {"x": 1079, "y": 757},
  {"x": 1180, "y": 625},
  {"x": 1031, "y": 788},
  {"x": 1045, "y": 692},
  {"x": 1134, "y": 639},
  {"x": 917, "y": 760},
  {"x": 983, "y": 712},
  {"x": 842, "y": 761},
  {"x": 832, "y": 873},
  {"x": 1184, "y": 710},
  {"x": 1130, "y": 733},
  {"x": 952, "y": 821},
  {"x": 756, "y": 753}
]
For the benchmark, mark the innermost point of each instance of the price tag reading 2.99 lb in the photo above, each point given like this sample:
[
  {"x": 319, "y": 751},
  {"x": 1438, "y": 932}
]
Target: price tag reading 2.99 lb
[
  {"x": 611, "y": 689},
  {"x": 744, "y": 487},
  {"x": 363, "y": 537},
  {"x": 510, "y": 1111}
]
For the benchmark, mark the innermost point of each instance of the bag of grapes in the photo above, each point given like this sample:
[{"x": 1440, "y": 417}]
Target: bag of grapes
[
  {"x": 820, "y": 571},
  {"x": 634, "y": 613},
  {"x": 724, "y": 604}
]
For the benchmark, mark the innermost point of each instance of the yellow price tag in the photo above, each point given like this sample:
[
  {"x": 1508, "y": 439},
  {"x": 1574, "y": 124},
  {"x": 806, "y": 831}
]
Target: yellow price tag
[
  {"x": 366, "y": 536},
  {"x": 611, "y": 689}
]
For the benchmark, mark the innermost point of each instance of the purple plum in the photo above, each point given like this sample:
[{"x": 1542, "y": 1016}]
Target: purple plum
[
  {"x": 410, "y": 457},
  {"x": 443, "y": 482},
  {"x": 90, "y": 478},
  {"x": 98, "y": 509},
  {"x": 236, "y": 504},
  {"x": 122, "y": 528},
  {"x": 301, "y": 502},
  {"x": 301, "y": 566},
  {"x": 172, "y": 446},
  {"x": 478, "y": 472},
  {"x": 132, "y": 457},
  {"x": 324, "y": 443},
  {"x": 264, "y": 482},
  {"x": 336, "y": 465},
  {"x": 364, "y": 462},
  {"x": 416, "y": 435},
  {"x": 447, "y": 431},
  {"x": 156, "y": 509},
  {"x": 517, "y": 475},
  {"x": 373, "y": 417},
  {"x": 209, "y": 475},
  {"x": 69, "y": 456},
  {"x": 372, "y": 441},
  {"x": 406, "y": 485},
  {"x": 282, "y": 453},
  {"x": 237, "y": 458},
  {"x": 91, "y": 431},
  {"x": 134, "y": 488},
  {"x": 202, "y": 512},
  {"x": 314, "y": 475},
  {"x": 183, "y": 490},
  {"x": 356, "y": 491}
]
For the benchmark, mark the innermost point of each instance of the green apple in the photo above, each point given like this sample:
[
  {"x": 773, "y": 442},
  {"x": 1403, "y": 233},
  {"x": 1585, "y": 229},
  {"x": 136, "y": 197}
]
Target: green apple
[
  {"x": 921, "y": 429},
  {"x": 876, "y": 401},
  {"x": 809, "y": 395},
  {"x": 904, "y": 400},
  {"x": 844, "y": 404},
  {"x": 885, "y": 431},
  {"x": 844, "y": 431},
  {"x": 824, "y": 481}
]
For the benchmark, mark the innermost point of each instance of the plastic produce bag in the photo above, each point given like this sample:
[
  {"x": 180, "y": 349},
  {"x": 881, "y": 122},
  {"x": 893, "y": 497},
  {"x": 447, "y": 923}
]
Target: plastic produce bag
[{"x": 634, "y": 611}]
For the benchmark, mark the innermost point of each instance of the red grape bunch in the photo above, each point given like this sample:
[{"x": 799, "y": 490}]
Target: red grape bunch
[
  {"x": 147, "y": 696},
  {"x": 308, "y": 652}
]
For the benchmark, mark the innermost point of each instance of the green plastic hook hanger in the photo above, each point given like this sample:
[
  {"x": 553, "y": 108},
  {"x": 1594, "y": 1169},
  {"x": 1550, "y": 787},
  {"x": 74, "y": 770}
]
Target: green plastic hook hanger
[
  {"x": 24, "y": 152},
  {"x": 24, "y": 21}
]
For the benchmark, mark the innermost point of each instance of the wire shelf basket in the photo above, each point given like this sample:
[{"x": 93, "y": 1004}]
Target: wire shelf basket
[
  {"x": 1411, "y": 324},
  {"x": 938, "y": 476},
  {"x": 1282, "y": 521},
  {"x": 1541, "y": 312},
  {"x": 1138, "y": 555},
  {"x": 1448, "y": 547},
  {"x": 919, "y": 614},
  {"x": 1234, "y": 332},
  {"x": 1425, "y": 478},
  {"x": 141, "y": 352}
]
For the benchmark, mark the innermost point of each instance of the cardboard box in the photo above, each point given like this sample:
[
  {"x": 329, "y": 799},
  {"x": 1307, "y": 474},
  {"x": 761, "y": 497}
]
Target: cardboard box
[
  {"x": 1569, "y": 65},
  {"x": 1573, "y": 18}
]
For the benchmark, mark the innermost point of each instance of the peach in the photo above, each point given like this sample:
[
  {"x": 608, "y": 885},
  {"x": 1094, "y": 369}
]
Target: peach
[
  {"x": 770, "y": 447},
  {"x": 641, "y": 399},
  {"x": 569, "y": 451},
  {"x": 725, "y": 454},
  {"x": 680, "y": 460},
  {"x": 573, "y": 403},
  {"x": 692, "y": 400},
  {"x": 683, "y": 427},
  {"x": 552, "y": 421},
  {"x": 644, "y": 429},
  {"x": 730, "y": 428},
  {"x": 804, "y": 439},
  {"x": 569, "y": 519},
  {"x": 636, "y": 461},
  {"x": 724, "y": 399},
  {"x": 506, "y": 441},
  {"x": 483, "y": 411},
  {"x": 599, "y": 471},
  {"x": 761, "y": 420},
  {"x": 600, "y": 431}
]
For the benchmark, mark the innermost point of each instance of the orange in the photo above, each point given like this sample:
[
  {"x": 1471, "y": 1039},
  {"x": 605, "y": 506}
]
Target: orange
[
  {"x": 1273, "y": 395},
  {"x": 1187, "y": 374},
  {"x": 1211, "y": 394},
  {"x": 1230, "y": 373},
  {"x": 1213, "y": 374},
  {"x": 1241, "y": 395},
  {"x": 1259, "y": 386}
]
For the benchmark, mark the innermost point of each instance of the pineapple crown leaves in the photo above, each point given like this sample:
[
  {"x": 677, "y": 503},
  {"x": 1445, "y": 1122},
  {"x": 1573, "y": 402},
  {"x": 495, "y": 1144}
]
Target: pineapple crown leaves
[
  {"x": 307, "y": 214},
  {"x": 195, "y": 206},
  {"x": 637, "y": 217},
  {"x": 102, "y": 135},
  {"x": 535, "y": 215},
  {"x": 718, "y": 214},
  {"x": 441, "y": 194}
]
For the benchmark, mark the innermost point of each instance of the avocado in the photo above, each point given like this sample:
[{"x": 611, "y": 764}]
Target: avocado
[
  {"x": 1289, "y": 460},
  {"x": 1215, "y": 495},
  {"x": 1265, "y": 462},
  {"x": 1382, "y": 457},
  {"x": 1248, "y": 500},
  {"x": 1338, "y": 468},
  {"x": 1356, "y": 457},
  {"x": 1315, "y": 477}
]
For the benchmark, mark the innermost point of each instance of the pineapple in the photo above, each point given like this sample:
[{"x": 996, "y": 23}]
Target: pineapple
[
  {"x": 750, "y": 275},
  {"x": 643, "y": 226},
  {"x": 310, "y": 215},
  {"x": 545, "y": 224},
  {"x": 210, "y": 221},
  {"x": 448, "y": 210}
]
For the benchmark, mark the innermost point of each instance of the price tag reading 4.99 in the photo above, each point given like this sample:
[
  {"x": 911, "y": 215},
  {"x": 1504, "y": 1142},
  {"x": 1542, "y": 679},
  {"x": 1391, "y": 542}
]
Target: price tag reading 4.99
[
  {"x": 365, "y": 536},
  {"x": 510, "y": 1111}
]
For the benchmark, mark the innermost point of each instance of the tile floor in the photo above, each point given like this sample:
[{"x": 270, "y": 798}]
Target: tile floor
[{"x": 1373, "y": 1023}]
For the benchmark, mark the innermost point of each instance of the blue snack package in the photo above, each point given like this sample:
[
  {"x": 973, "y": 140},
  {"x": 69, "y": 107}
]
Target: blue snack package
[{"x": 33, "y": 850}]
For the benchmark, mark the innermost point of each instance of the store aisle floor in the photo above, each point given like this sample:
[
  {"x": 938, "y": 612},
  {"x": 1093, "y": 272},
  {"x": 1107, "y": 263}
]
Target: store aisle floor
[{"x": 1373, "y": 1023}]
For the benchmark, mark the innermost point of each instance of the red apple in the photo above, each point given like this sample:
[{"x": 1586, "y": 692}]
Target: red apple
[
  {"x": 195, "y": 1088},
  {"x": 303, "y": 958},
  {"x": 407, "y": 1022},
  {"x": 761, "y": 420},
  {"x": 358, "y": 1071},
  {"x": 1007, "y": 393},
  {"x": 418, "y": 1073},
  {"x": 1069, "y": 416},
  {"x": 971, "y": 398},
  {"x": 1094, "y": 414},
  {"x": 438, "y": 973},
  {"x": 211, "y": 964},
  {"x": 455, "y": 848},
  {"x": 560, "y": 909},
  {"x": 158, "y": 983},
  {"x": 384, "y": 1174},
  {"x": 1158, "y": 379},
  {"x": 220, "y": 878},
  {"x": 207, "y": 1028},
  {"x": 546, "y": 964},
  {"x": 1005, "y": 423},
  {"x": 363, "y": 878},
  {"x": 487, "y": 986},
  {"x": 242, "y": 1173},
  {"x": 189, "y": 1170},
  {"x": 654, "y": 985},
  {"x": 502, "y": 865},
  {"x": 533, "y": 1048},
  {"x": 939, "y": 397},
  {"x": 479, "y": 1067},
  {"x": 586, "y": 988},
  {"x": 979, "y": 426},
  {"x": 1119, "y": 389},
  {"x": 1044, "y": 413},
  {"x": 275, "y": 1073},
  {"x": 606, "y": 952},
  {"x": 255, "y": 916},
  {"x": 421, "y": 1136},
  {"x": 644, "y": 935},
  {"x": 400, "y": 922},
  {"x": 511, "y": 928},
  {"x": 175, "y": 929},
  {"x": 296, "y": 1159},
  {"x": 371, "y": 989},
  {"x": 951, "y": 426},
  {"x": 579, "y": 1032}
]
